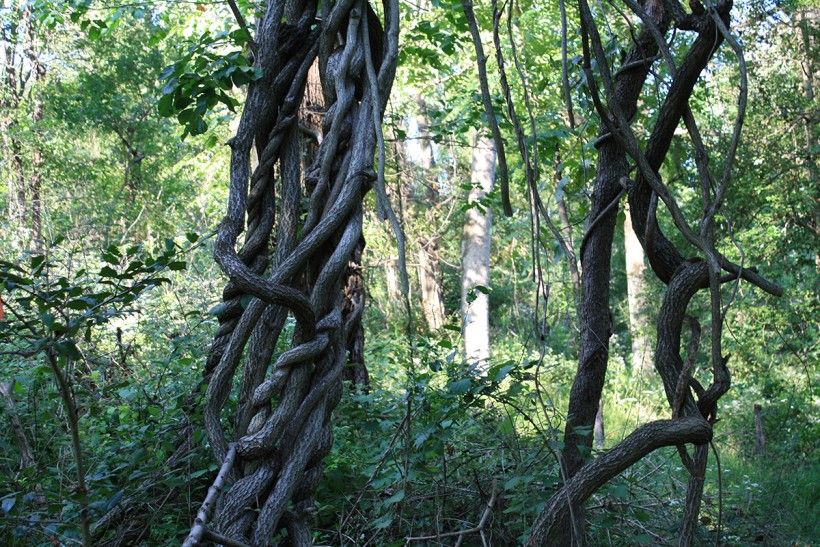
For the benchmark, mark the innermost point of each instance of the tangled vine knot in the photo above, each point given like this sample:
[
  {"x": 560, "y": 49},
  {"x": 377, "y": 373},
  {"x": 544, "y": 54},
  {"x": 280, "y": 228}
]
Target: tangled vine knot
[{"x": 281, "y": 429}]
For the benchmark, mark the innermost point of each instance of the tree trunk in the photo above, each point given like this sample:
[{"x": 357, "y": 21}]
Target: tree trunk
[
  {"x": 807, "y": 23},
  {"x": 760, "y": 433},
  {"x": 598, "y": 433},
  {"x": 355, "y": 371},
  {"x": 281, "y": 430},
  {"x": 641, "y": 357},
  {"x": 429, "y": 281},
  {"x": 310, "y": 123},
  {"x": 475, "y": 259},
  {"x": 26, "y": 453},
  {"x": 391, "y": 274},
  {"x": 35, "y": 186},
  {"x": 428, "y": 245}
]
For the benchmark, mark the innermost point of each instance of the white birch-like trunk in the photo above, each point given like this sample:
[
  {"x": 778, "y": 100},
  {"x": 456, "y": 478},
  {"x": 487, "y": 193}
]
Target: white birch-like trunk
[
  {"x": 636, "y": 291},
  {"x": 475, "y": 259}
]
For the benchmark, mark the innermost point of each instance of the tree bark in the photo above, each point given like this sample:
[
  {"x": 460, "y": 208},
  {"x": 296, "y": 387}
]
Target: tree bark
[
  {"x": 26, "y": 453},
  {"x": 641, "y": 357},
  {"x": 38, "y": 70},
  {"x": 282, "y": 422},
  {"x": 760, "y": 433},
  {"x": 429, "y": 269},
  {"x": 355, "y": 371},
  {"x": 475, "y": 258}
]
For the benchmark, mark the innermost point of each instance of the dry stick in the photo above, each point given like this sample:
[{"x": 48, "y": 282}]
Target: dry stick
[
  {"x": 223, "y": 540},
  {"x": 481, "y": 61},
  {"x": 200, "y": 524},
  {"x": 488, "y": 510}
]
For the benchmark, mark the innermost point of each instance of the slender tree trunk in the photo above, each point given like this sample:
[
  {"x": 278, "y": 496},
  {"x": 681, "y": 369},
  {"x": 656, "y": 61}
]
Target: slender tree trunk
[
  {"x": 760, "y": 433},
  {"x": 17, "y": 187},
  {"x": 391, "y": 274},
  {"x": 808, "y": 67},
  {"x": 26, "y": 453},
  {"x": 598, "y": 433},
  {"x": 35, "y": 187},
  {"x": 354, "y": 297},
  {"x": 641, "y": 358},
  {"x": 429, "y": 281},
  {"x": 475, "y": 258},
  {"x": 428, "y": 246}
]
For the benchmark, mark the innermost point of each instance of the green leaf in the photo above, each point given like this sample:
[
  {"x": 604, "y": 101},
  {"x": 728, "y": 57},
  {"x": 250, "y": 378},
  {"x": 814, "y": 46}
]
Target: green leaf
[
  {"x": 68, "y": 348},
  {"x": 165, "y": 107},
  {"x": 48, "y": 320},
  {"x": 8, "y": 503},
  {"x": 395, "y": 498},
  {"x": 459, "y": 387},
  {"x": 78, "y": 304},
  {"x": 108, "y": 271}
]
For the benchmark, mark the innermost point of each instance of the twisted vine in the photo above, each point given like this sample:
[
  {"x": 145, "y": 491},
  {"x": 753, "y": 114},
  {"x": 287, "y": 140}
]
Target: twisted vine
[
  {"x": 281, "y": 430},
  {"x": 693, "y": 414}
]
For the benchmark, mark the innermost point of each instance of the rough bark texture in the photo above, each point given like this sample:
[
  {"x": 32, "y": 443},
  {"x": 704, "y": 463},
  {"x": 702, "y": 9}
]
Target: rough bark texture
[
  {"x": 475, "y": 258},
  {"x": 354, "y": 297},
  {"x": 419, "y": 152},
  {"x": 281, "y": 429},
  {"x": 561, "y": 522},
  {"x": 596, "y": 252}
]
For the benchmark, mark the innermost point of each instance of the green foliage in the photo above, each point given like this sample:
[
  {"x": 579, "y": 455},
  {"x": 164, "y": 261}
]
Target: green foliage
[
  {"x": 423, "y": 448},
  {"x": 199, "y": 80}
]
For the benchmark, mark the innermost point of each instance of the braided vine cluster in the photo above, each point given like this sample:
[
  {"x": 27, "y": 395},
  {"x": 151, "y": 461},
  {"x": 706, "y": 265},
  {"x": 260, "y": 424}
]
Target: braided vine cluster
[
  {"x": 692, "y": 415},
  {"x": 281, "y": 430}
]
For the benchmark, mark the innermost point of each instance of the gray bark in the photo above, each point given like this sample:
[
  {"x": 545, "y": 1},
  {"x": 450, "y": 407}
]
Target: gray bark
[
  {"x": 429, "y": 269},
  {"x": 475, "y": 258}
]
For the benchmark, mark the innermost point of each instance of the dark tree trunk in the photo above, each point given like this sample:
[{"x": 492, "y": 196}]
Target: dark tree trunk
[
  {"x": 561, "y": 522},
  {"x": 272, "y": 457},
  {"x": 355, "y": 371}
]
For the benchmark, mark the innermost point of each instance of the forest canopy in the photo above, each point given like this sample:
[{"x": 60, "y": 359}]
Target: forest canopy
[{"x": 427, "y": 272}]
